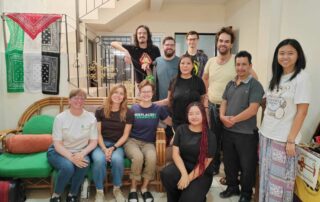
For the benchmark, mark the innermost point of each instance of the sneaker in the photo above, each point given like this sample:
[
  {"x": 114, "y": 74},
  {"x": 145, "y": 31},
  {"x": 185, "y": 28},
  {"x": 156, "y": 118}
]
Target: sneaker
[
  {"x": 99, "y": 196},
  {"x": 72, "y": 199},
  {"x": 117, "y": 193},
  {"x": 56, "y": 199}
]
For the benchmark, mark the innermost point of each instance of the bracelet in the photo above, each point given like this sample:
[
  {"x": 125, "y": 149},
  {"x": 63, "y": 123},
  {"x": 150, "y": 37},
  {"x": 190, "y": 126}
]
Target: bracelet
[{"x": 114, "y": 147}]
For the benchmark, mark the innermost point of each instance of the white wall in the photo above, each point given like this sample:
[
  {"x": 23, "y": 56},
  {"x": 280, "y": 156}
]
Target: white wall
[
  {"x": 178, "y": 18},
  {"x": 300, "y": 20},
  {"x": 13, "y": 104}
]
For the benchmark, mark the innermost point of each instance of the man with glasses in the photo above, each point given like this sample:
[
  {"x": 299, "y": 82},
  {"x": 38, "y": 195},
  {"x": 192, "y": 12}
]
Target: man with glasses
[{"x": 198, "y": 56}]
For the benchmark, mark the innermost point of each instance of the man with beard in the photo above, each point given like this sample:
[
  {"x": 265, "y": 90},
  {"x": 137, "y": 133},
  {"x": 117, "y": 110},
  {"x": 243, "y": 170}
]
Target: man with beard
[
  {"x": 166, "y": 67},
  {"x": 198, "y": 56},
  {"x": 218, "y": 72},
  {"x": 141, "y": 54}
]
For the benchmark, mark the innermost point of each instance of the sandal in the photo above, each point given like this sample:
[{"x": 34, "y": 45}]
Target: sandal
[
  {"x": 147, "y": 196},
  {"x": 133, "y": 197}
]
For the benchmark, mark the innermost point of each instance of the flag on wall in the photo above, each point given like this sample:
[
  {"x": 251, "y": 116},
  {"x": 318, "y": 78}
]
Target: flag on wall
[{"x": 33, "y": 56}]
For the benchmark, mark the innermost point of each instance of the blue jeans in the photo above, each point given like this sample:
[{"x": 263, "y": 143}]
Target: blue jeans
[
  {"x": 67, "y": 172},
  {"x": 99, "y": 165}
]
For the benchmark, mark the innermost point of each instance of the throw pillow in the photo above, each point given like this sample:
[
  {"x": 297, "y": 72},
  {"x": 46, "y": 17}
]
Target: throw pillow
[{"x": 39, "y": 124}]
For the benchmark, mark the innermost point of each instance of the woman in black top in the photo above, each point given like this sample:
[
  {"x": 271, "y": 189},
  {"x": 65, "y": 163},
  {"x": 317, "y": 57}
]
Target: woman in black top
[
  {"x": 190, "y": 177},
  {"x": 183, "y": 89}
]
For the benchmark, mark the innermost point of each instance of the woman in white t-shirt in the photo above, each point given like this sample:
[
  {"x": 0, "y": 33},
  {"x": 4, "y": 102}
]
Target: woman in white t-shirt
[
  {"x": 74, "y": 136},
  {"x": 287, "y": 102}
]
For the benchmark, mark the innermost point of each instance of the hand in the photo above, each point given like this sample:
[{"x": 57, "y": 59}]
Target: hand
[
  {"x": 80, "y": 163},
  {"x": 127, "y": 58},
  {"x": 183, "y": 182},
  {"x": 291, "y": 149},
  {"x": 145, "y": 67},
  {"x": 79, "y": 155},
  {"x": 108, "y": 153},
  {"x": 226, "y": 121}
]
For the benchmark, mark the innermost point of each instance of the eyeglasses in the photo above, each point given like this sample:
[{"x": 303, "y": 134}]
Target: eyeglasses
[
  {"x": 81, "y": 98},
  {"x": 145, "y": 92}
]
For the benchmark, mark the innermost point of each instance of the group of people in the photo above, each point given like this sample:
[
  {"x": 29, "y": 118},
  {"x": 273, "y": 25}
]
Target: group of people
[{"x": 209, "y": 106}]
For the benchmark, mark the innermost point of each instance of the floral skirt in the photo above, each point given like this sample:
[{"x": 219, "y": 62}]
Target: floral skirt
[{"x": 277, "y": 171}]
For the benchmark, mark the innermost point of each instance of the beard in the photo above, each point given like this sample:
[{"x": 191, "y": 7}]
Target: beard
[
  {"x": 224, "y": 51},
  {"x": 169, "y": 54}
]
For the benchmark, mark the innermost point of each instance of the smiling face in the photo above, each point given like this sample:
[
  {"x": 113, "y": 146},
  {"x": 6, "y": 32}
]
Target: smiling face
[
  {"x": 76, "y": 102},
  {"x": 146, "y": 93},
  {"x": 287, "y": 58},
  {"x": 186, "y": 66},
  {"x": 142, "y": 35},
  {"x": 224, "y": 44},
  {"x": 169, "y": 48},
  {"x": 243, "y": 67},
  {"x": 195, "y": 116},
  {"x": 117, "y": 96}
]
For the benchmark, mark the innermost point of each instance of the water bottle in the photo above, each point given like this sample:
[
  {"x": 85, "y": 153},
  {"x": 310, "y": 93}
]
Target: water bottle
[{"x": 85, "y": 189}]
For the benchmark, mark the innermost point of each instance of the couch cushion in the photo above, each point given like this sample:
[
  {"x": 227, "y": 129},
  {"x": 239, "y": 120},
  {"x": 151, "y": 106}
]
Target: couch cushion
[
  {"x": 25, "y": 165},
  {"x": 39, "y": 124},
  {"x": 26, "y": 144}
]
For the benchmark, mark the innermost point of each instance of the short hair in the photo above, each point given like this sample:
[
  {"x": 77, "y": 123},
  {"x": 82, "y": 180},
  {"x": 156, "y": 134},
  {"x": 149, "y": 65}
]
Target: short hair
[
  {"x": 76, "y": 92},
  {"x": 226, "y": 30},
  {"x": 243, "y": 54},
  {"x": 146, "y": 83},
  {"x": 192, "y": 33},
  {"x": 168, "y": 38}
]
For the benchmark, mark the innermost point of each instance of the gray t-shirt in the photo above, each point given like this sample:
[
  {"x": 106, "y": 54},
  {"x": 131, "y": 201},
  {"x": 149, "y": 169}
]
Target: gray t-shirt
[
  {"x": 166, "y": 70},
  {"x": 238, "y": 99}
]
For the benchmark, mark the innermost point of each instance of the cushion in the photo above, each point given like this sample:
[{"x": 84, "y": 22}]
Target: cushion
[
  {"x": 25, "y": 165},
  {"x": 25, "y": 144},
  {"x": 39, "y": 124}
]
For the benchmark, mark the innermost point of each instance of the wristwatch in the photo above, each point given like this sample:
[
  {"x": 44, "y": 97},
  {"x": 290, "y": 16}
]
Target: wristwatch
[{"x": 114, "y": 147}]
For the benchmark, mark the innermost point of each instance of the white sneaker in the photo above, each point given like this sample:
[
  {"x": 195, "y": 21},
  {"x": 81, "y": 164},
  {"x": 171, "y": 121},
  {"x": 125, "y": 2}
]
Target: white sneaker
[
  {"x": 99, "y": 196},
  {"x": 117, "y": 193}
]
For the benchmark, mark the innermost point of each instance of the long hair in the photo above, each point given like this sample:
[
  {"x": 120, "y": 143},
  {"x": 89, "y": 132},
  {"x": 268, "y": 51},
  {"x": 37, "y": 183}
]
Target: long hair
[
  {"x": 177, "y": 78},
  {"x": 277, "y": 69},
  {"x": 149, "y": 40},
  {"x": 204, "y": 136},
  {"x": 123, "y": 105}
]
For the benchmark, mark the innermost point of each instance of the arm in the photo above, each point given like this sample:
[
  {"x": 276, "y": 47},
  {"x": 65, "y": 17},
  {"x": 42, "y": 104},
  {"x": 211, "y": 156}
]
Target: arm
[
  {"x": 164, "y": 102},
  {"x": 205, "y": 79},
  {"x": 184, "y": 180},
  {"x": 59, "y": 148},
  {"x": 100, "y": 138},
  {"x": 225, "y": 119},
  {"x": 302, "y": 110},
  {"x": 168, "y": 121},
  {"x": 195, "y": 172},
  {"x": 125, "y": 135},
  {"x": 118, "y": 45},
  {"x": 247, "y": 113},
  {"x": 253, "y": 74}
]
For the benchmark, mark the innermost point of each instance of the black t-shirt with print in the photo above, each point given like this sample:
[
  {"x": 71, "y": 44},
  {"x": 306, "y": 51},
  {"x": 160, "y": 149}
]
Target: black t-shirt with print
[
  {"x": 189, "y": 146},
  {"x": 112, "y": 128},
  {"x": 185, "y": 92},
  {"x": 140, "y": 56}
]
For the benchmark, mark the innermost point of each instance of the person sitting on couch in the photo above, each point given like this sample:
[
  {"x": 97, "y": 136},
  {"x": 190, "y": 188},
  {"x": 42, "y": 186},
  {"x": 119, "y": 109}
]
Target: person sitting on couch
[
  {"x": 74, "y": 136},
  {"x": 140, "y": 147},
  {"x": 114, "y": 125}
]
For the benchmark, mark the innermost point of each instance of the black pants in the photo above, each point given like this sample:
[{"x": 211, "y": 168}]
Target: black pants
[
  {"x": 216, "y": 127},
  {"x": 240, "y": 154},
  {"x": 195, "y": 192}
]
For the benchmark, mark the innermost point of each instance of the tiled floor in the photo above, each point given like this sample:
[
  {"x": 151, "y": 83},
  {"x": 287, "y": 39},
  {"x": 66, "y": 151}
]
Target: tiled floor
[{"x": 213, "y": 195}]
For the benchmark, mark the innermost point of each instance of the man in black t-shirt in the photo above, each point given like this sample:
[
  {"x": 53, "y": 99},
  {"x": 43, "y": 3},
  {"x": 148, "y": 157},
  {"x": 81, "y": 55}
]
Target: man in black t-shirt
[{"x": 141, "y": 54}]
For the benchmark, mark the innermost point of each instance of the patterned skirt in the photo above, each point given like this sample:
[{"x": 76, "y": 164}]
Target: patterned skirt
[{"x": 277, "y": 171}]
